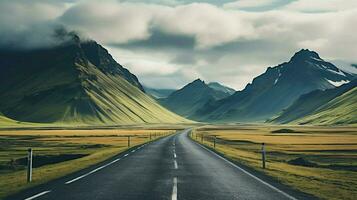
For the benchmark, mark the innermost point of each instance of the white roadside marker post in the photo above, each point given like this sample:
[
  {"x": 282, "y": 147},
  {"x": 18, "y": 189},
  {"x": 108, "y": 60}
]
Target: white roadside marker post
[
  {"x": 263, "y": 155},
  {"x": 29, "y": 165}
]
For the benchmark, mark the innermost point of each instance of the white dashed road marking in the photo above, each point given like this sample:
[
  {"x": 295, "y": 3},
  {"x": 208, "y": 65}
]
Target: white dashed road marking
[
  {"x": 174, "y": 190},
  {"x": 38, "y": 195},
  {"x": 175, "y": 164}
]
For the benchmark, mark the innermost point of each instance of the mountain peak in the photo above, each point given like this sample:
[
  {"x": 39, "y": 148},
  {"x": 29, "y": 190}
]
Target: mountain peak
[
  {"x": 305, "y": 54},
  {"x": 198, "y": 81}
]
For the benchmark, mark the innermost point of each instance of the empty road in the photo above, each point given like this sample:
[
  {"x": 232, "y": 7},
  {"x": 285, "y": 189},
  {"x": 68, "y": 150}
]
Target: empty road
[{"x": 174, "y": 167}]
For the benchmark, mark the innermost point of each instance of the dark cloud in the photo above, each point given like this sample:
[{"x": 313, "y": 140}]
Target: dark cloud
[
  {"x": 171, "y": 42},
  {"x": 161, "y": 40},
  {"x": 29, "y": 24},
  {"x": 185, "y": 59}
]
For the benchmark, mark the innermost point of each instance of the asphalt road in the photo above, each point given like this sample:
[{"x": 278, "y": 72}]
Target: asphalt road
[{"x": 174, "y": 167}]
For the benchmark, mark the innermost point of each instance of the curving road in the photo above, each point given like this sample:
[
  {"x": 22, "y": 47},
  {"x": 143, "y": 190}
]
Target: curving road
[{"x": 174, "y": 167}]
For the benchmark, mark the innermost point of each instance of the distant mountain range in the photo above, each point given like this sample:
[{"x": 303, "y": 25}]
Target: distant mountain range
[
  {"x": 158, "y": 93},
  {"x": 219, "y": 87},
  {"x": 266, "y": 97},
  {"x": 193, "y": 96},
  {"x": 74, "y": 83},
  {"x": 79, "y": 82}
]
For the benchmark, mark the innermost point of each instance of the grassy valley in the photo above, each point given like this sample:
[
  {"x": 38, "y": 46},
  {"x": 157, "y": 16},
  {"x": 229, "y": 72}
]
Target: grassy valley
[{"x": 318, "y": 160}]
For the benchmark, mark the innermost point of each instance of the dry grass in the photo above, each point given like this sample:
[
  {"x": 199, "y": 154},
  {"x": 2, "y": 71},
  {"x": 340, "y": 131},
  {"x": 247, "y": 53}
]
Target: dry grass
[{"x": 332, "y": 150}]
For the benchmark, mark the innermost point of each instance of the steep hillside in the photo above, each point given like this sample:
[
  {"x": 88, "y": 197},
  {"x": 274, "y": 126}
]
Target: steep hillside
[
  {"x": 309, "y": 103},
  {"x": 340, "y": 110},
  {"x": 276, "y": 89},
  {"x": 76, "y": 83},
  {"x": 191, "y": 97}
]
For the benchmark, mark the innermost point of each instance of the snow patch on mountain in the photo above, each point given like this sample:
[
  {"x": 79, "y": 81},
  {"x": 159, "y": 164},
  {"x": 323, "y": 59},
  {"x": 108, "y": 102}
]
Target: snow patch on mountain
[
  {"x": 277, "y": 79},
  {"x": 337, "y": 83}
]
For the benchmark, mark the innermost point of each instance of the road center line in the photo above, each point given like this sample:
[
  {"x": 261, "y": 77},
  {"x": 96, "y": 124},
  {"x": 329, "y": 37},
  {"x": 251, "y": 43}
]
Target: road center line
[
  {"x": 174, "y": 190},
  {"x": 38, "y": 195},
  {"x": 175, "y": 164}
]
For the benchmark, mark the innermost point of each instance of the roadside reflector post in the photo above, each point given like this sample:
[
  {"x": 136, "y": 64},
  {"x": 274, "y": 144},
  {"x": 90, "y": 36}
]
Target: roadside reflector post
[
  {"x": 263, "y": 155},
  {"x": 29, "y": 165},
  {"x": 214, "y": 142},
  {"x": 128, "y": 141}
]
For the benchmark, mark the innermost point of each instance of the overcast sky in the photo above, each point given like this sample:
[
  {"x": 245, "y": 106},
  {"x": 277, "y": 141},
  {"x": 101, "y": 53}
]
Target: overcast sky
[{"x": 168, "y": 43}]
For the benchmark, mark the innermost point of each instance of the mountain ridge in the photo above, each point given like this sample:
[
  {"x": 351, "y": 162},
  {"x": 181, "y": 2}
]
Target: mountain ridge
[
  {"x": 191, "y": 97},
  {"x": 275, "y": 89}
]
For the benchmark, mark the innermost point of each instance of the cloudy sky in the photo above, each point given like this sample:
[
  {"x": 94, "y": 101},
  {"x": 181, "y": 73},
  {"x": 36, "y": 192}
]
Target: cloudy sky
[{"x": 168, "y": 43}]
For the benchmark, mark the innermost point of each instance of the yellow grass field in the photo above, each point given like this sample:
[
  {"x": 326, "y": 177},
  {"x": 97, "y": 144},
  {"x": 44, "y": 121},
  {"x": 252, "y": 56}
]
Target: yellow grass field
[
  {"x": 329, "y": 154},
  {"x": 91, "y": 147}
]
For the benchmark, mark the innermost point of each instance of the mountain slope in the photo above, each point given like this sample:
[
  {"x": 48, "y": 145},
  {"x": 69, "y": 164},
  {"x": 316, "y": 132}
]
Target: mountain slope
[
  {"x": 191, "y": 97},
  {"x": 309, "y": 103},
  {"x": 4, "y": 121},
  {"x": 75, "y": 83},
  {"x": 340, "y": 110},
  {"x": 276, "y": 89}
]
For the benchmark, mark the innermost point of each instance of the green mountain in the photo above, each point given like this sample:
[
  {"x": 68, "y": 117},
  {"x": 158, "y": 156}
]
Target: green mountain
[
  {"x": 74, "y": 83},
  {"x": 340, "y": 110},
  {"x": 158, "y": 93},
  {"x": 187, "y": 100},
  {"x": 220, "y": 87},
  {"x": 276, "y": 89},
  {"x": 312, "y": 102}
]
